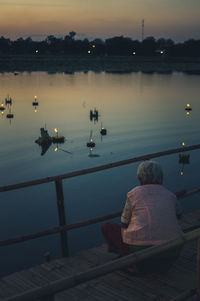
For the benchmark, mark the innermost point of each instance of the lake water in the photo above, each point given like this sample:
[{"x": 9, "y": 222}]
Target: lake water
[{"x": 143, "y": 113}]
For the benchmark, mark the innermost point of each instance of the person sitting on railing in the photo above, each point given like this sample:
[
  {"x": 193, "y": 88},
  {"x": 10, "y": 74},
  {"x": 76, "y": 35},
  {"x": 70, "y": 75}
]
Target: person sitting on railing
[{"x": 149, "y": 217}]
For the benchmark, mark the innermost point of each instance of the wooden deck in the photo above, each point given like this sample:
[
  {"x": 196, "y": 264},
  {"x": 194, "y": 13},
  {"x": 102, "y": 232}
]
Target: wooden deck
[{"x": 120, "y": 285}]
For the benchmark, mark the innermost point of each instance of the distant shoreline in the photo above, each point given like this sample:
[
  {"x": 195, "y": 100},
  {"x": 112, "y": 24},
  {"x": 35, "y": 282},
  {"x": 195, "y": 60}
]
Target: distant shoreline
[{"x": 68, "y": 65}]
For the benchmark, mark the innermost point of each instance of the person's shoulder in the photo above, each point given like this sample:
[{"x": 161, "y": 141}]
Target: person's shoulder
[
  {"x": 169, "y": 192},
  {"x": 134, "y": 191}
]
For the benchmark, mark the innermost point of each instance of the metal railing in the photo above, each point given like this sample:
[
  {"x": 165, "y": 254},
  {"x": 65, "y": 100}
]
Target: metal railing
[{"x": 63, "y": 227}]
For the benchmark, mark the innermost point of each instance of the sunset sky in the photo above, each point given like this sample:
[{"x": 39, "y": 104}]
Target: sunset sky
[{"x": 176, "y": 19}]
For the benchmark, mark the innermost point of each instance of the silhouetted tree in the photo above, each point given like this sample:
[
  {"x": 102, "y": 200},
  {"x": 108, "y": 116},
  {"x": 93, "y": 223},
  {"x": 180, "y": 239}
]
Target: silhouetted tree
[
  {"x": 119, "y": 45},
  {"x": 55, "y": 45},
  {"x": 97, "y": 47},
  {"x": 148, "y": 47},
  {"x": 5, "y": 45},
  {"x": 72, "y": 34}
]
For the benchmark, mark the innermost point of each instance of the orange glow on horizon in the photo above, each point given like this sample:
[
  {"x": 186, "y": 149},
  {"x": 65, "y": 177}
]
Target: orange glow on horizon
[{"x": 100, "y": 18}]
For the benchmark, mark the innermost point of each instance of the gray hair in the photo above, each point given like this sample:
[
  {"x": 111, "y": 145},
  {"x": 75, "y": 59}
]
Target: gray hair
[{"x": 150, "y": 172}]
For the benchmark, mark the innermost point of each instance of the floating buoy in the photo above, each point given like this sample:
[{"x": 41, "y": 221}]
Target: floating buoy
[
  {"x": 103, "y": 131},
  {"x": 2, "y": 108},
  {"x": 35, "y": 102},
  {"x": 91, "y": 143},
  {"x": 188, "y": 107},
  {"x": 9, "y": 116},
  {"x": 58, "y": 139}
]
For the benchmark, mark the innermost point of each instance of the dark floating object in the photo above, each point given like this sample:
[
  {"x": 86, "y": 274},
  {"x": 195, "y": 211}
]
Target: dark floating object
[
  {"x": 35, "y": 102},
  {"x": 8, "y": 100},
  {"x": 2, "y": 108},
  {"x": 103, "y": 131},
  {"x": 44, "y": 141},
  {"x": 94, "y": 115},
  {"x": 58, "y": 139},
  {"x": 184, "y": 158},
  {"x": 91, "y": 143},
  {"x": 188, "y": 107},
  {"x": 9, "y": 116},
  {"x": 45, "y": 138},
  {"x": 16, "y": 73}
]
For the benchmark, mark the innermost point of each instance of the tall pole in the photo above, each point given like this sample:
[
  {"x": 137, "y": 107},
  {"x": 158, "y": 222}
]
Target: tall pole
[{"x": 142, "y": 30}]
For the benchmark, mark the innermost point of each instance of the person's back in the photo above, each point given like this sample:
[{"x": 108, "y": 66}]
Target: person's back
[
  {"x": 149, "y": 218},
  {"x": 153, "y": 220}
]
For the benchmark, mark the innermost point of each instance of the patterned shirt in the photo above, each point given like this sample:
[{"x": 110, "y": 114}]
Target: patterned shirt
[{"x": 150, "y": 212}]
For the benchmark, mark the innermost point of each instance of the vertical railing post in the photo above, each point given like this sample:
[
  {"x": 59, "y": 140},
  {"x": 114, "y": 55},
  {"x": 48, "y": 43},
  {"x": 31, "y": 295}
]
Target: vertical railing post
[
  {"x": 61, "y": 216},
  {"x": 198, "y": 268}
]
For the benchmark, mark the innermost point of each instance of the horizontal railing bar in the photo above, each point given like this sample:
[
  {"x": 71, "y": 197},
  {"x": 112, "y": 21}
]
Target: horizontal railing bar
[
  {"x": 98, "y": 168},
  {"x": 69, "y": 282},
  {"x": 55, "y": 230}
]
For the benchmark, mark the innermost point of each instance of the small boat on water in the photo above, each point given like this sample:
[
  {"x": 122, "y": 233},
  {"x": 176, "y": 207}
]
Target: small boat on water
[
  {"x": 44, "y": 141},
  {"x": 45, "y": 138}
]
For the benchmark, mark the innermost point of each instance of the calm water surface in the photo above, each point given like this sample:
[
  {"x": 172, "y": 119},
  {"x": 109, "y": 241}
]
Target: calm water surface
[{"x": 143, "y": 113}]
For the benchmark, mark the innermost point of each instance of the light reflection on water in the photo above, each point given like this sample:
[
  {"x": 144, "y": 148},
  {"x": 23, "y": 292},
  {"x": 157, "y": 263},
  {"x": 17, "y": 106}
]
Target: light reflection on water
[{"x": 142, "y": 114}]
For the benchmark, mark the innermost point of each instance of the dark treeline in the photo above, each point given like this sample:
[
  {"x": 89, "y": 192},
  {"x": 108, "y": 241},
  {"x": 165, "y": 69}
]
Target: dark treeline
[{"x": 116, "y": 46}]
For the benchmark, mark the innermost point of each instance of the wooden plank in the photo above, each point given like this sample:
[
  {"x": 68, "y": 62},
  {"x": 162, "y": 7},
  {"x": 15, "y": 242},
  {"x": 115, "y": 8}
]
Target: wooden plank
[{"x": 178, "y": 279}]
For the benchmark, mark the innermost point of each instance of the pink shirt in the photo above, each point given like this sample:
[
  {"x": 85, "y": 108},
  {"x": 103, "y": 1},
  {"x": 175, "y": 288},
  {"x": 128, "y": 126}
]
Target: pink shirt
[{"x": 150, "y": 211}]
